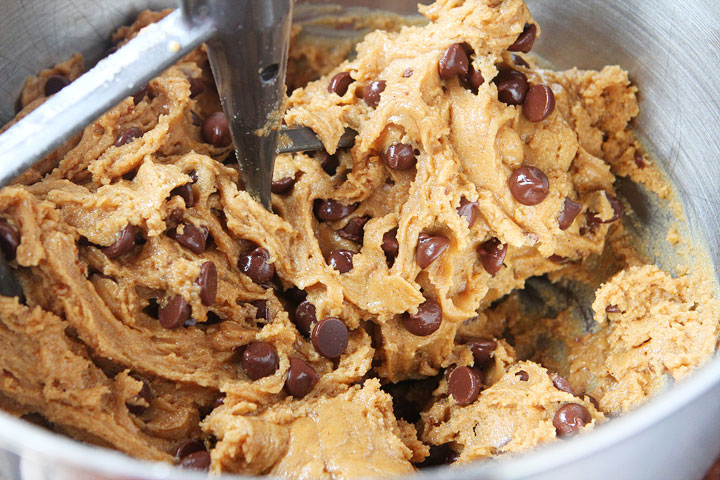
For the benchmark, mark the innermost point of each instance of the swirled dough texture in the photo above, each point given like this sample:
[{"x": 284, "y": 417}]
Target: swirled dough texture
[{"x": 86, "y": 354}]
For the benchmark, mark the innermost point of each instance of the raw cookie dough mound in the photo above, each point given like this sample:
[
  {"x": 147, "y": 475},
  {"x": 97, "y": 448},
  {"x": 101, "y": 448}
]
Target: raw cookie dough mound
[{"x": 457, "y": 190}]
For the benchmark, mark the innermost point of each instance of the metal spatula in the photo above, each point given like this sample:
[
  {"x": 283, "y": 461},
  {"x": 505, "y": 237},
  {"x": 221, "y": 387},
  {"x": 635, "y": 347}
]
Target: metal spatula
[{"x": 247, "y": 44}]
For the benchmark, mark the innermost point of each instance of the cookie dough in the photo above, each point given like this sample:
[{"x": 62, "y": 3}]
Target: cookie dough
[{"x": 374, "y": 319}]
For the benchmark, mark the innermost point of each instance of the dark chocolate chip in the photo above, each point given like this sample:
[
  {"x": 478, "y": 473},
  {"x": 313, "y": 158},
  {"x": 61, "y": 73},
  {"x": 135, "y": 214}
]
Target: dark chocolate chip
[
  {"x": 197, "y": 86},
  {"x": 407, "y": 73},
  {"x": 454, "y": 61},
  {"x": 187, "y": 447},
  {"x": 512, "y": 86},
  {"x": 353, "y": 230},
  {"x": 390, "y": 244},
  {"x": 301, "y": 378},
  {"x": 259, "y": 359},
  {"x": 372, "y": 92},
  {"x": 219, "y": 401},
  {"x": 192, "y": 237},
  {"x": 522, "y": 375},
  {"x": 186, "y": 193},
  {"x": 616, "y": 206},
  {"x": 128, "y": 136},
  {"x": 570, "y": 418},
  {"x": 482, "y": 349},
  {"x": 562, "y": 384},
  {"x": 140, "y": 94},
  {"x": 519, "y": 61},
  {"x": 400, "y": 156},
  {"x": 55, "y": 83},
  {"x": 196, "y": 461},
  {"x": 429, "y": 248},
  {"x": 341, "y": 260},
  {"x": 568, "y": 214},
  {"x": 529, "y": 185},
  {"x": 208, "y": 282},
  {"x": 464, "y": 385},
  {"x": 339, "y": 83},
  {"x": 426, "y": 321},
  {"x": 124, "y": 242},
  {"x": 469, "y": 210},
  {"x": 174, "y": 313},
  {"x": 9, "y": 240},
  {"x": 329, "y": 163},
  {"x": 262, "y": 311},
  {"x": 329, "y": 210},
  {"x": 215, "y": 130},
  {"x": 472, "y": 80},
  {"x": 492, "y": 255},
  {"x": 304, "y": 317},
  {"x": 639, "y": 160},
  {"x": 525, "y": 40},
  {"x": 256, "y": 266},
  {"x": 560, "y": 260},
  {"x": 539, "y": 103},
  {"x": 135, "y": 405},
  {"x": 330, "y": 337},
  {"x": 612, "y": 309},
  {"x": 592, "y": 400},
  {"x": 283, "y": 185}
]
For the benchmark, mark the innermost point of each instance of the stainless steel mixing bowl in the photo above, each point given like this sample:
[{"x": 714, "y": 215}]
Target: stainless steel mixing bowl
[{"x": 672, "y": 50}]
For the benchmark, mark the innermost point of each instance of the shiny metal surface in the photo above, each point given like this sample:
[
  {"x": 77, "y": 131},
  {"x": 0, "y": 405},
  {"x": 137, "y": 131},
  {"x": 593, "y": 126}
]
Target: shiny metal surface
[{"x": 671, "y": 50}]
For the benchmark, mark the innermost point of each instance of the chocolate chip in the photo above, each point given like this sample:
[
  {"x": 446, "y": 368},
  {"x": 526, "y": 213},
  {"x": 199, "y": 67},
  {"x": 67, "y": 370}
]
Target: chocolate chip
[
  {"x": 539, "y": 103},
  {"x": 186, "y": 193},
  {"x": 592, "y": 400},
  {"x": 196, "y": 461},
  {"x": 136, "y": 404},
  {"x": 522, "y": 375},
  {"x": 55, "y": 83},
  {"x": 525, "y": 40},
  {"x": 492, "y": 255},
  {"x": 339, "y": 83},
  {"x": 140, "y": 94},
  {"x": 283, "y": 185},
  {"x": 520, "y": 61},
  {"x": 560, "y": 260},
  {"x": 570, "y": 418},
  {"x": 259, "y": 359},
  {"x": 124, "y": 242},
  {"x": 215, "y": 130},
  {"x": 568, "y": 214},
  {"x": 469, "y": 210},
  {"x": 341, "y": 260},
  {"x": 219, "y": 401},
  {"x": 562, "y": 384},
  {"x": 407, "y": 73},
  {"x": 328, "y": 210},
  {"x": 9, "y": 240},
  {"x": 464, "y": 385},
  {"x": 330, "y": 337},
  {"x": 353, "y": 230},
  {"x": 639, "y": 161},
  {"x": 174, "y": 313},
  {"x": 192, "y": 237},
  {"x": 482, "y": 349},
  {"x": 195, "y": 119},
  {"x": 304, "y": 317},
  {"x": 128, "y": 136},
  {"x": 616, "y": 206},
  {"x": 372, "y": 92},
  {"x": 454, "y": 61},
  {"x": 426, "y": 321},
  {"x": 612, "y": 309},
  {"x": 472, "y": 79},
  {"x": 208, "y": 282},
  {"x": 400, "y": 156},
  {"x": 255, "y": 265},
  {"x": 197, "y": 86},
  {"x": 301, "y": 378},
  {"x": 529, "y": 185},
  {"x": 390, "y": 244},
  {"x": 512, "y": 86},
  {"x": 329, "y": 163},
  {"x": 262, "y": 311},
  {"x": 193, "y": 176},
  {"x": 187, "y": 447},
  {"x": 429, "y": 248}
]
